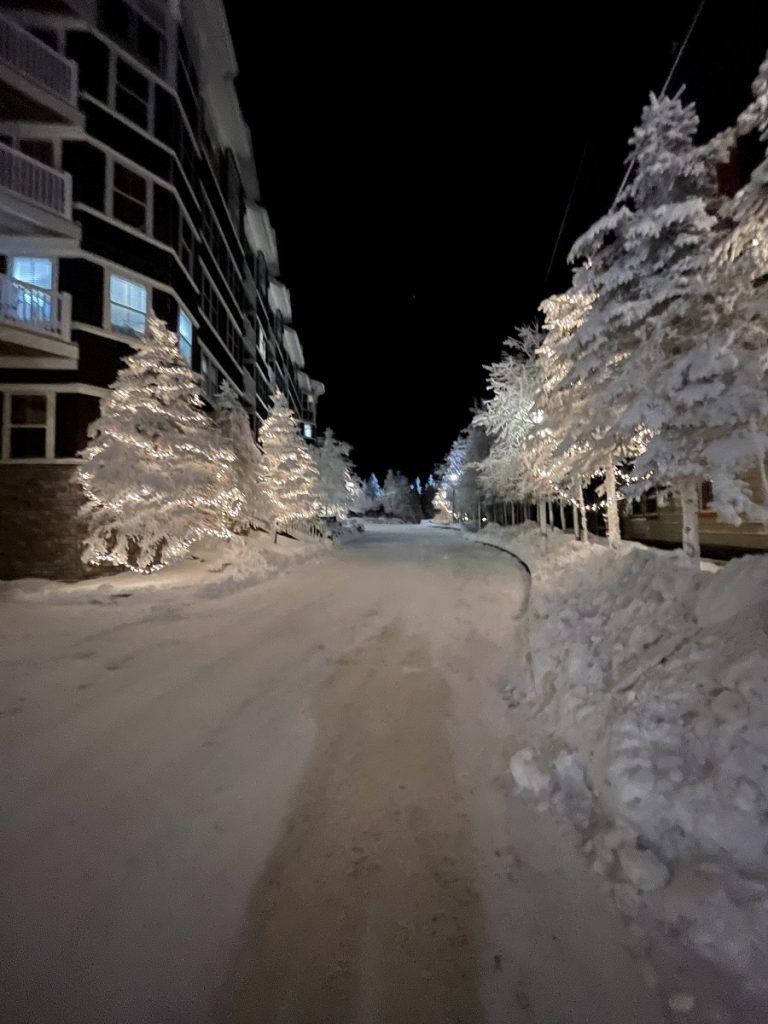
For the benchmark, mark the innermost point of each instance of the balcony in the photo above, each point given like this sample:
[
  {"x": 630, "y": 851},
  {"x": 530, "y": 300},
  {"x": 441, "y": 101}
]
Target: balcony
[
  {"x": 34, "y": 198},
  {"x": 36, "y": 82},
  {"x": 35, "y": 328}
]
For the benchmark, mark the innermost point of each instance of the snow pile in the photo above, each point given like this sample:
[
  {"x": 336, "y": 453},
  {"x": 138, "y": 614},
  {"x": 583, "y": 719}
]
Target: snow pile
[
  {"x": 211, "y": 568},
  {"x": 651, "y": 687}
]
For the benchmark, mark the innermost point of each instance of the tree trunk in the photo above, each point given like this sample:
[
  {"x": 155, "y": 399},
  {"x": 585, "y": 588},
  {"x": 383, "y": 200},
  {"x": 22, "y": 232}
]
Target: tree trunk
[
  {"x": 583, "y": 511},
  {"x": 542, "y": 516},
  {"x": 760, "y": 467},
  {"x": 550, "y": 520},
  {"x": 612, "y": 508},
  {"x": 689, "y": 496}
]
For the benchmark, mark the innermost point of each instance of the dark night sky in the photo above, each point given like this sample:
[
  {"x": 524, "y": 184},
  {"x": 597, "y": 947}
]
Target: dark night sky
[{"x": 416, "y": 170}]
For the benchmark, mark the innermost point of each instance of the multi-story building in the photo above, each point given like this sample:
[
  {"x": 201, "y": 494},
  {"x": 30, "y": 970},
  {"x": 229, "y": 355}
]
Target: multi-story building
[{"x": 127, "y": 185}]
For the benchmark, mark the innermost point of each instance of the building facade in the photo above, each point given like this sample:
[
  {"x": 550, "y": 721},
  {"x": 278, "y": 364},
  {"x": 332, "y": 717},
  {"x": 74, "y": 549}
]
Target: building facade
[{"x": 127, "y": 185}]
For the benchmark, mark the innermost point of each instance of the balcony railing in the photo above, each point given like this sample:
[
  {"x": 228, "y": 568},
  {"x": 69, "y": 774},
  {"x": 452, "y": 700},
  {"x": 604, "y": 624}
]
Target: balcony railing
[
  {"x": 35, "y": 181},
  {"x": 35, "y": 309},
  {"x": 30, "y": 57}
]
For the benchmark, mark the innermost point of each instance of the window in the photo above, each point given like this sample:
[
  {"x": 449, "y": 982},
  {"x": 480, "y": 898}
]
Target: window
[
  {"x": 185, "y": 336},
  {"x": 38, "y": 149},
  {"x": 707, "y": 494},
  {"x": 132, "y": 94},
  {"x": 127, "y": 305},
  {"x": 308, "y": 430},
  {"x": 150, "y": 44},
  {"x": 261, "y": 340},
  {"x": 46, "y": 36},
  {"x": 32, "y": 288},
  {"x": 33, "y": 270},
  {"x": 186, "y": 244},
  {"x": 116, "y": 18},
  {"x": 27, "y": 426},
  {"x": 134, "y": 32},
  {"x": 129, "y": 198},
  {"x": 210, "y": 374},
  {"x": 187, "y": 84}
]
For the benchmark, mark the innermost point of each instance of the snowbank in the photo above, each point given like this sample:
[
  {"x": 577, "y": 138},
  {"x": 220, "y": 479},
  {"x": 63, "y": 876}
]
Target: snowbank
[
  {"x": 212, "y": 568},
  {"x": 650, "y": 684}
]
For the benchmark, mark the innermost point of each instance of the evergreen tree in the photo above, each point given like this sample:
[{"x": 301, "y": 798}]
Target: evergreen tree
[
  {"x": 155, "y": 475},
  {"x": 508, "y": 417},
  {"x": 232, "y": 421},
  {"x": 335, "y": 487},
  {"x": 372, "y": 494},
  {"x": 398, "y": 498},
  {"x": 287, "y": 472},
  {"x": 702, "y": 396},
  {"x": 637, "y": 259}
]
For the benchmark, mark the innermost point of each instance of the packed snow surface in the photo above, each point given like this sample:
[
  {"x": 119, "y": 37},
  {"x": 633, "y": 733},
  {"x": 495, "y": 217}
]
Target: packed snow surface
[
  {"x": 652, "y": 676},
  {"x": 289, "y": 802}
]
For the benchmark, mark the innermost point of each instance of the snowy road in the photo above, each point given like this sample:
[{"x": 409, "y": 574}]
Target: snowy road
[{"x": 290, "y": 805}]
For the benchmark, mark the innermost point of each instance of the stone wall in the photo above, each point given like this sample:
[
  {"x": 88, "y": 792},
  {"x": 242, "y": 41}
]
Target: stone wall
[{"x": 40, "y": 534}]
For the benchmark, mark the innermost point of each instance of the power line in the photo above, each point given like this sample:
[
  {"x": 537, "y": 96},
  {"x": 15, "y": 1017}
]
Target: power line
[
  {"x": 566, "y": 212},
  {"x": 680, "y": 51},
  {"x": 665, "y": 87}
]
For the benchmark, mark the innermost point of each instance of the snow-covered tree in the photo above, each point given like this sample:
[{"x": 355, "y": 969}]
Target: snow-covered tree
[
  {"x": 637, "y": 259},
  {"x": 704, "y": 399},
  {"x": 232, "y": 421},
  {"x": 336, "y": 489},
  {"x": 287, "y": 472},
  {"x": 460, "y": 487},
  {"x": 398, "y": 498},
  {"x": 155, "y": 473},
  {"x": 559, "y": 406},
  {"x": 358, "y": 502},
  {"x": 749, "y": 209},
  {"x": 371, "y": 496},
  {"x": 700, "y": 362},
  {"x": 507, "y": 418}
]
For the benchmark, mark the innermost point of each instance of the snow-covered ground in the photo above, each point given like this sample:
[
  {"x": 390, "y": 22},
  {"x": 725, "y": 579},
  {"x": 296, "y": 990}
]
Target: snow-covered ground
[
  {"x": 650, "y": 701},
  {"x": 290, "y": 803}
]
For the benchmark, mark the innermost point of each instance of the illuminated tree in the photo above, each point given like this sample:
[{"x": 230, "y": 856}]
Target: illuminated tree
[
  {"x": 637, "y": 259},
  {"x": 287, "y": 472},
  {"x": 156, "y": 476},
  {"x": 234, "y": 426},
  {"x": 398, "y": 498},
  {"x": 508, "y": 418},
  {"x": 336, "y": 489}
]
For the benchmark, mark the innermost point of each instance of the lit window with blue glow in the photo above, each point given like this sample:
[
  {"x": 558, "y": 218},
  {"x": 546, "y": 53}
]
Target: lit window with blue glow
[
  {"x": 127, "y": 305},
  {"x": 185, "y": 336}
]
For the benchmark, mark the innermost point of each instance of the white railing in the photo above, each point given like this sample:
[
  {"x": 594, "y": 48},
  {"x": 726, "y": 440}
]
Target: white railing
[
  {"x": 30, "y": 57},
  {"x": 25, "y": 306},
  {"x": 35, "y": 181}
]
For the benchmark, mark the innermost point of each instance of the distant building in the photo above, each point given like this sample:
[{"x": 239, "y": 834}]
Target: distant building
[{"x": 127, "y": 184}]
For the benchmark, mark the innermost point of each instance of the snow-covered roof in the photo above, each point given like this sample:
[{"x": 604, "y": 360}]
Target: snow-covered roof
[
  {"x": 280, "y": 298},
  {"x": 318, "y": 388},
  {"x": 302, "y": 379},
  {"x": 206, "y": 26},
  {"x": 261, "y": 235},
  {"x": 293, "y": 346}
]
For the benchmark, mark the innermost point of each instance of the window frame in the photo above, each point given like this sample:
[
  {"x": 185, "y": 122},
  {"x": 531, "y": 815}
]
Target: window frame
[
  {"x": 186, "y": 356},
  {"x": 49, "y": 426},
  {"x": 119, "y": 87},
  {"x": 109, "y": 302},
  {"x": 113, "y": 191}
]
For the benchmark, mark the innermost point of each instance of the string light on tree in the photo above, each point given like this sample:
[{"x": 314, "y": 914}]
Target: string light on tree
[
  {"x": 287, "y": 473},
  {"x": 155, "y": 473}
]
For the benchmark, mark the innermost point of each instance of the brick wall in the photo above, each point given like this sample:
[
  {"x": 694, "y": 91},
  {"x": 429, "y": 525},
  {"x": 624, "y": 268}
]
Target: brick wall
[{"x": 40, "y": 534}]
